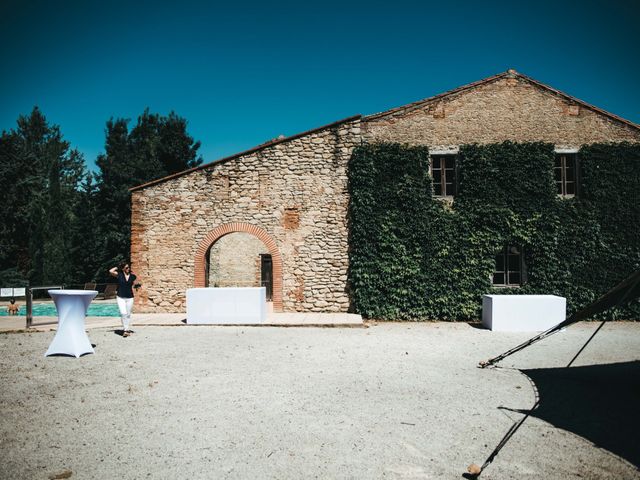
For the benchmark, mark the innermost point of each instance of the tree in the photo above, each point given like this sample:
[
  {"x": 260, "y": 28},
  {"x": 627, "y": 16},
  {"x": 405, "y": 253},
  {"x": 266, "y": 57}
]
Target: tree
[
  {"x": 85, "y": 233},
  {"x": 177, "y": 151},
  {"x": 39, "y": 176},
  {"x": 155, "y": 147},
  {"x": 60, "y": 223},
  {"x": 13, "y": 239}
]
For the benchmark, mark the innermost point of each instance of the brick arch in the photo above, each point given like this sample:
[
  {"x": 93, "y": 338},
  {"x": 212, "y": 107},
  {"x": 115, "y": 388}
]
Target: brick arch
[{"x": 258, "y": 232}]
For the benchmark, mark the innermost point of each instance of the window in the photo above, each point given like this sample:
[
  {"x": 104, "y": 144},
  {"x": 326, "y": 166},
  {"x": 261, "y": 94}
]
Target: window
[
  {"x": 443, "y": 171},
  {"x": 509, "y": 267},
  {"x": 565, "y": 174}
]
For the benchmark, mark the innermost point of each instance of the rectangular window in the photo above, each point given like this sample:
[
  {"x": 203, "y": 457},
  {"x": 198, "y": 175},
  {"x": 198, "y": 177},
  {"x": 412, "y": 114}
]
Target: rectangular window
[
  {"x": 509, "y": 267},
  {"x": 565, "y": 174},
  {"x": 443, "y": 172}
]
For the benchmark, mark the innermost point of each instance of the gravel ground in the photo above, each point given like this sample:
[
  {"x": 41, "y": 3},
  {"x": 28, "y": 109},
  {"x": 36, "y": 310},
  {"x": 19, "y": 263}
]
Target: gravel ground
[{"x": 390, "y": 401}]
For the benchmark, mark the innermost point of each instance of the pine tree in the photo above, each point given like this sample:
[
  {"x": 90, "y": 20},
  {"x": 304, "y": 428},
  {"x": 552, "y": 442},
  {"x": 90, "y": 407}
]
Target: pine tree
[
  {"x": 85, "y": 233},
  {"x": 155, "y": 147},
  {"x": 40, "y": 175}
]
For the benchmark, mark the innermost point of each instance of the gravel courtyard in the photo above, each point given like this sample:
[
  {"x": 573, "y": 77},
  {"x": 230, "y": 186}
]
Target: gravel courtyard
[{"x": 394, "y": 400}]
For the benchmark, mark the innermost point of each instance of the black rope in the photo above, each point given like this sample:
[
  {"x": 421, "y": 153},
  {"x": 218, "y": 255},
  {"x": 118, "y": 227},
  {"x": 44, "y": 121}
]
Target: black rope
[
  {"x": 585, "y": 345},
  {"x": 522, "y": 346},
  {"x": 514, "y": 428},
  {"x": 627, "y": 290}
]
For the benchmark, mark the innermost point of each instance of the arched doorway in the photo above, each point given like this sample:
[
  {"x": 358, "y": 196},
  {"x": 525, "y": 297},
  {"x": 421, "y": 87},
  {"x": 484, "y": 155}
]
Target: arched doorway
[
  {"x": 202, "y": 275},
  {"x": 239, "y": 259}
]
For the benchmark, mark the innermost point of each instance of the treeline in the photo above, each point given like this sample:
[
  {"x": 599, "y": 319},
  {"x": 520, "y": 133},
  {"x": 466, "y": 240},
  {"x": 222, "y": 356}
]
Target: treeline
[{"x": 62, "y": 223}]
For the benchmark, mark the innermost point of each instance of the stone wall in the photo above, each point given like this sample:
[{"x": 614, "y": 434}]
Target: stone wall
[
  {"x": 294, "y": 189},
  {"x": 505, "y": 109}
]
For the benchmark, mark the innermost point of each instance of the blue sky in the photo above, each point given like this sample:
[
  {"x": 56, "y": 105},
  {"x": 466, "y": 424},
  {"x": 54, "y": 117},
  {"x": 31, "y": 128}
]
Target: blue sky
[{"x": 245, "y": 72}]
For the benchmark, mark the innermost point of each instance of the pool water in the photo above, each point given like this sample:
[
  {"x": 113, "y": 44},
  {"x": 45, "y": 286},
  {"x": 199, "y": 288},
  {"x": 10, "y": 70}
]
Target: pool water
[{"x": 49, "y": 310}]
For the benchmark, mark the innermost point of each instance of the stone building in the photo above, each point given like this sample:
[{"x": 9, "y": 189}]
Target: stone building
[{"x": 290, "y": 195}]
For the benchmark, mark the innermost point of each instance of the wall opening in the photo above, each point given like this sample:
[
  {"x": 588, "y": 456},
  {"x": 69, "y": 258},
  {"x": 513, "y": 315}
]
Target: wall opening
[
  {"x": 239, "y": 259},
  {"x": 240, "y": 254}
]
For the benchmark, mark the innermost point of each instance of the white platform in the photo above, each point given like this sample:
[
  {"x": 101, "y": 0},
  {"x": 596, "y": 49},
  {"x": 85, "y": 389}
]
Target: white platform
[
  {"x": 227, "y": 306},
  {"x": 71, "y": 337},
  {"x": 522, "y": 313}
]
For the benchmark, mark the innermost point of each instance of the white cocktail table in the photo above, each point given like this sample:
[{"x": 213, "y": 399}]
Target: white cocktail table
[
  {"x": 71, "y": 337},
  {"x": 226, "y": 305}
]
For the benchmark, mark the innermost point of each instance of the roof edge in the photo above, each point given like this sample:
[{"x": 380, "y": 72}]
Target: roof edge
[
  {"x": 255, "y": 149},
  {"x": 508, "y": 74},
  {"x": 413, "y": 105},
  {"x": 613, "y": 116}
]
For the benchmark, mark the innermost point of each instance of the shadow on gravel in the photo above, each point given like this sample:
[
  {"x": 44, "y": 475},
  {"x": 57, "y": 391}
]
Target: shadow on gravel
[
  {"x": 597, "y": 402},
  {"x": 477, "y": 325},
  {"x": 67, "y": 355},
  {"x": 120, "y": 331}
]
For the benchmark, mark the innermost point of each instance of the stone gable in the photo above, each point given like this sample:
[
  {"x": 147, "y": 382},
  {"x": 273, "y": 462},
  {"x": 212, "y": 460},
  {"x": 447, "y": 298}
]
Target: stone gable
[{"x": 509, "y": 108}]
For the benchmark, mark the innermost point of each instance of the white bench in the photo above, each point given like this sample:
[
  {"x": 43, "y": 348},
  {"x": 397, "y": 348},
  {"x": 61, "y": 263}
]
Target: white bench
[
  {"x": 522, "y": 313},
  {"x": 226, "y": 306}
]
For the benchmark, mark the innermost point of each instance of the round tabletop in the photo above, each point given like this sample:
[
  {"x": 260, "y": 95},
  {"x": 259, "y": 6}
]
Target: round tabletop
[{"x": 72, "y": 292}]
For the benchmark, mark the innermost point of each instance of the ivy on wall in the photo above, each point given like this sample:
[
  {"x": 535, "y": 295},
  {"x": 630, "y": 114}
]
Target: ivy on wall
[
  {"x": 390, "y": 195},
  {"x": 416, "y": 257}
]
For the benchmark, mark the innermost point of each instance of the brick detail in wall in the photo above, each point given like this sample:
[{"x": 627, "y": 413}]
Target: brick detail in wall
[
  {"x": 291, "y": 218},
  {"x": 139, "y": 250},
  {"x": 261, "y": 234}
]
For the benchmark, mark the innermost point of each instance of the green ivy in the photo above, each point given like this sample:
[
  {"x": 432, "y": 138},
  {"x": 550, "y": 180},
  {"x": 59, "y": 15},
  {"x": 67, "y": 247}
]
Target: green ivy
[
  {"x": 416, "y": 257},
  {"x": 390, "y": 203}
]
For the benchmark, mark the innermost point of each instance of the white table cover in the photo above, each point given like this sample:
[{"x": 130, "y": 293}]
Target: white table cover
[
  {"x": 226, "y": 305},
  {"x": 71, "y": 337},
  {"x": 522, "y": 313}
]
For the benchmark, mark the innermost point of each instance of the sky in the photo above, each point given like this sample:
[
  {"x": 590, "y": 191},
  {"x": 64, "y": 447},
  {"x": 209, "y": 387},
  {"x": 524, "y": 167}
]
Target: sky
[{"x": 243, "y": 72}]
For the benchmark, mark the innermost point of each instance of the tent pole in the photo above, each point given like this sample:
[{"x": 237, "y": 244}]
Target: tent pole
[{"x": 585, "y": 345}]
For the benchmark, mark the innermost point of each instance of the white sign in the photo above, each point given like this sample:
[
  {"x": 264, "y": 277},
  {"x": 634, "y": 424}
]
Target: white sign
[{"x": 12, "y": 292}]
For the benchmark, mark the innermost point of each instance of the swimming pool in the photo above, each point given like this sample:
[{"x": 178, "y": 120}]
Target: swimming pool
[{"x": 49, "y": 310}]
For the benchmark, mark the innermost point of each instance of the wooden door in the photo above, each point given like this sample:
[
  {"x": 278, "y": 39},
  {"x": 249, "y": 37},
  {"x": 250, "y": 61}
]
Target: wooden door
[{"x": 266, "y": 274}]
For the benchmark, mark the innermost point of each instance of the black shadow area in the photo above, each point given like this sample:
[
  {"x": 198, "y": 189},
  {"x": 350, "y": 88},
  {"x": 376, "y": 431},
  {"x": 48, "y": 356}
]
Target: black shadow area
[{"x": 598, "y": 402}]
